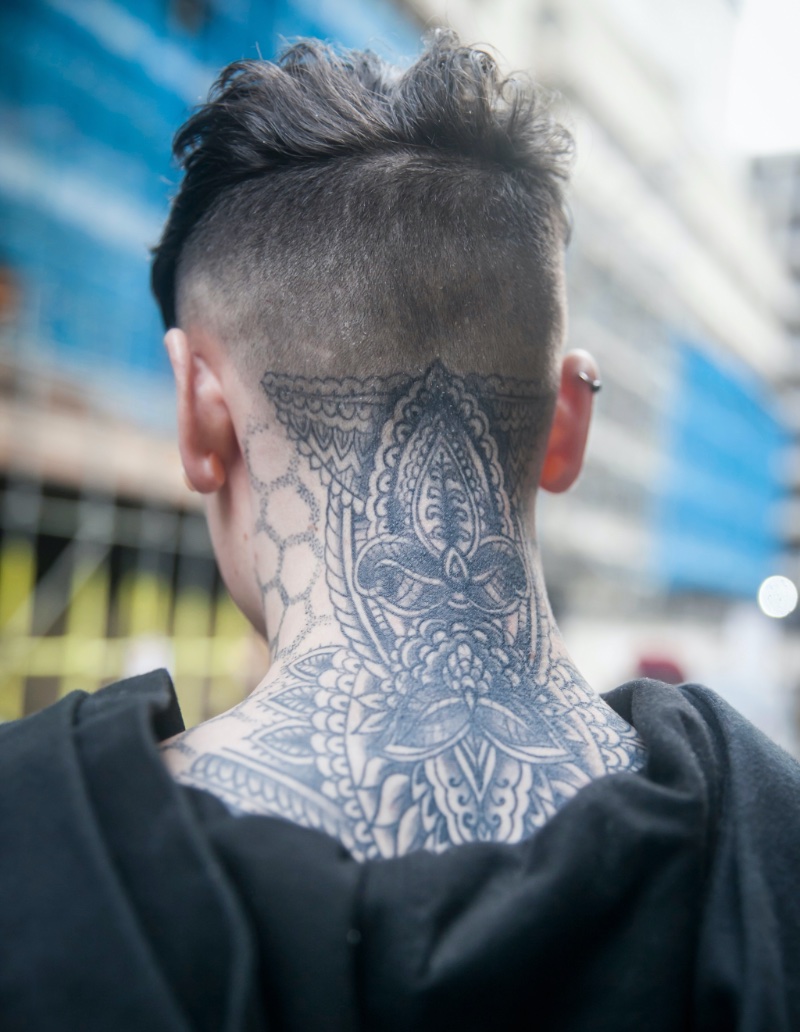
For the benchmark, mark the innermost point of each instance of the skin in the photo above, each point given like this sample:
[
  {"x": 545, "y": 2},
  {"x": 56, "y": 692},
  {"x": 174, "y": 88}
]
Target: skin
[{"x": 420, "y": 694}]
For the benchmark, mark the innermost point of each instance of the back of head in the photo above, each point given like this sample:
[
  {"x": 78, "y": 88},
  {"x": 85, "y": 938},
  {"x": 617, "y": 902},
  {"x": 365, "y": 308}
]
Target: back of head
[
  {"x": 367, "y": 268},
  {"x": 341, "y": 217}
]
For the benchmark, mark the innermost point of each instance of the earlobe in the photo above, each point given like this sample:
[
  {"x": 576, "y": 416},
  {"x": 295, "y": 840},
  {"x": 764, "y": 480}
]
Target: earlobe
[
  {"x": 205, "y": 430},
  {"x": 570, "y": 429}
]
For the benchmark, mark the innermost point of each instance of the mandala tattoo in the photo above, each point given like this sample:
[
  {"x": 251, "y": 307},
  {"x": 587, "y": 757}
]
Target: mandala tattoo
[{"x": 447, "y": 717}]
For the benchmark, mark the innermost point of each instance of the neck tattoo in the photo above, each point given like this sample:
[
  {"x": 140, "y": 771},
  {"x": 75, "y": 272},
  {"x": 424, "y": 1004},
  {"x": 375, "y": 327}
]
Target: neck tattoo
[{"x": 451, "y": 713}]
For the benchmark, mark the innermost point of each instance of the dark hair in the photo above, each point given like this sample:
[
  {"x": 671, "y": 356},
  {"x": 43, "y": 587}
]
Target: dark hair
[{"x": 331, "y": 199}]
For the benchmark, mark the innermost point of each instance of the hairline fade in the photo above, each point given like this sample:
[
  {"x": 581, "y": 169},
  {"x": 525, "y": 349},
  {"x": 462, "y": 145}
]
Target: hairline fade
[{"x": 340, "y": 216}]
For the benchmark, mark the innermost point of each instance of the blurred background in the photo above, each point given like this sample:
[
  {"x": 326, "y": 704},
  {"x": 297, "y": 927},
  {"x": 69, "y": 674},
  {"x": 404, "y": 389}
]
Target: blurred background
[{"x": 683, "y": 280}]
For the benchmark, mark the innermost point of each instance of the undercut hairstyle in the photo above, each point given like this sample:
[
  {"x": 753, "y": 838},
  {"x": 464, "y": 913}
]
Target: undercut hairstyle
[{"x": 339, "y": 216}]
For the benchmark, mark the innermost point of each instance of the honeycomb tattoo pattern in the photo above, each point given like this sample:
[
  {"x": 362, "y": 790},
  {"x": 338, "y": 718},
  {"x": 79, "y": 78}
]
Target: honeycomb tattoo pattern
[{"x": 289, "y": 520}]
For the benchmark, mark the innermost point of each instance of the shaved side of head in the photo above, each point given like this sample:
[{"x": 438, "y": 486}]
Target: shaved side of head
[{"x": 341, "y": 217}]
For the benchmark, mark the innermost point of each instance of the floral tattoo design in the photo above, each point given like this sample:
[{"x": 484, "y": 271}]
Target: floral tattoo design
[{"x": 446, "y": 718}]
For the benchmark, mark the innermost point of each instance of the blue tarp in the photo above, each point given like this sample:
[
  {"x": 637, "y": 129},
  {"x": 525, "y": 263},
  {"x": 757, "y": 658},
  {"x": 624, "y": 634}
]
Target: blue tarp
[
  {"x": 716, "y": 506},
  {"x": 91, "y": 92}
]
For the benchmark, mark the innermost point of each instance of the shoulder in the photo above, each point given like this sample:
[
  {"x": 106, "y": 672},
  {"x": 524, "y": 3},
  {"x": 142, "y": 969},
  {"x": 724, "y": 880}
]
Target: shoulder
[
  {"x": 696, "y": 716},
  {"x": 99, "y": 862},
  {"x": 50, "y": 762}
]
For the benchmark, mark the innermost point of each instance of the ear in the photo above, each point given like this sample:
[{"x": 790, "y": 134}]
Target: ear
[
  {"x": 205, "y": 429},
  {"x": 567, "y": 442}
]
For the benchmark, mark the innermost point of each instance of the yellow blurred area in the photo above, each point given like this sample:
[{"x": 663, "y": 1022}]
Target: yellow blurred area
[{"x": 206, "y": 644}]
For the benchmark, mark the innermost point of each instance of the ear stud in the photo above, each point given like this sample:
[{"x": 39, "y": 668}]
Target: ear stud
[{"x": 594, "y": 385}]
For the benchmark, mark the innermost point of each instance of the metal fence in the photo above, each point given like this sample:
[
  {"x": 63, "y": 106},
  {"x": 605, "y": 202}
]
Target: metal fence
[{"x": 94, "y": 588}]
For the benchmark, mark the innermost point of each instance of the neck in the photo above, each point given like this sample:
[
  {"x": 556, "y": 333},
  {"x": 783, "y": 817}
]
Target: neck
[
  {"x": 419, "y": 685},
  {"x": 399, "y": 503}
]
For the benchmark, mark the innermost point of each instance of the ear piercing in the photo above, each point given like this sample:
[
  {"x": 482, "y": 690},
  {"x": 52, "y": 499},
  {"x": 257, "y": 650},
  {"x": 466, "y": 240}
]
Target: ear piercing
[{"x": 594, "y": 385}]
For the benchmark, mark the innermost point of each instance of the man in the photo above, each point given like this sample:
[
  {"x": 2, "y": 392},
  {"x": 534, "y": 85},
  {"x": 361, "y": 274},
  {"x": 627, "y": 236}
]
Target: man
[
  {"x": 362, "y": 280},
  {"x": 372, "y": 310}
]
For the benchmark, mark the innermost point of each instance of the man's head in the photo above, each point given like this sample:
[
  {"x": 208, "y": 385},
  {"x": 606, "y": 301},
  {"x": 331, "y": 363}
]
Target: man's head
[{"x": 340, "y": 216}]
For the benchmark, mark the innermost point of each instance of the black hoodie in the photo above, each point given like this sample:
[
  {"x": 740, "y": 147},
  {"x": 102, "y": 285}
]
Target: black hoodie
[{"x": 664, "y": 900}]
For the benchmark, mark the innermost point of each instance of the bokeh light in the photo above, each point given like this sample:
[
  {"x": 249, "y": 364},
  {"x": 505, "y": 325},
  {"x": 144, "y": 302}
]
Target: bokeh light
[{"x": 777, "y": 597}]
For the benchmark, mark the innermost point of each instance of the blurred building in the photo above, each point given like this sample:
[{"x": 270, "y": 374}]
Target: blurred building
[
  {"x": 655, "y": 559},
  {"x": 105, "y": 563},
  {"x": 775, "y": 183}
]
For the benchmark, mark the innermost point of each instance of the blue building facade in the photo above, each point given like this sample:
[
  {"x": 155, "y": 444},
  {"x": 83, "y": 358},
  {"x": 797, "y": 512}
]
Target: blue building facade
[
  {"x": 91, "y": 92},
  {"x": 717, "y": 496}
]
